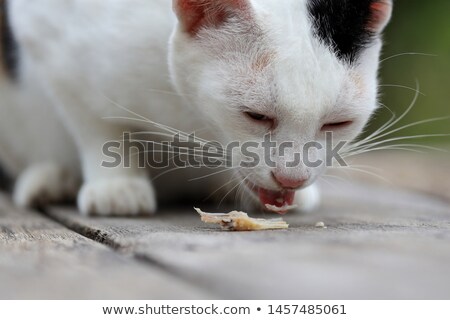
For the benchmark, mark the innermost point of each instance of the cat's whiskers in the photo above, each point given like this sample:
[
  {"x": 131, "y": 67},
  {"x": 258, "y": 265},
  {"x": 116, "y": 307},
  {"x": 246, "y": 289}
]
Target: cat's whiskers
[
  {"x": 176, "y": 150},
  {"x": 232, "y": 189},
  {"x": 148, "y": 121},
  {"x": 401, "y": 87},
  {"x": 212, "y": 174},
  {"x": 243, "y": 196},
  {"x": 174, "y": 154},
  {"x": 407, "y": 54},
  {"x": 200, "y": 142},
  {"x": 382, "y": 127},
  {"x": 167, "y": 172},
  {"x": 186, "y": 149},
  {"x": 370, "y": 173},
  {"x": 332, "y": 176},
  {"x": 239, "y": 196},
  {"x": 370, "y": 147},
  {"x": 374, "y": 141},
  {"x": 174, "y": 132},
  {"x": 233, "y": 178},
  {"x": 367, "y": 169},
  {"x": 406, "y": 127},
  {"x": 325, "y": 179},
  {"x": 403, "y": 147},
  {"x": 170, "y": 93},
  {"x": 392, "y": 123},
  {"x": 365, "y": 166},
  {"x": 192, "y": 167}
]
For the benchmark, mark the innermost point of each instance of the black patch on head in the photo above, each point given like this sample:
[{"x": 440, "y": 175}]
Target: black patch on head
[
  {"x": 343, "y": 25},
  {"x": 9, "y": 48}
]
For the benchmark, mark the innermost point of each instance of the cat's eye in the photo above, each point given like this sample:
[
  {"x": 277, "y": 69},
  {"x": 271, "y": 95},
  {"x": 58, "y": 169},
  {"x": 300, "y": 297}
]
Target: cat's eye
[
  {"x": 258, "y": 116},
  {"x": 336, "y": 125}
]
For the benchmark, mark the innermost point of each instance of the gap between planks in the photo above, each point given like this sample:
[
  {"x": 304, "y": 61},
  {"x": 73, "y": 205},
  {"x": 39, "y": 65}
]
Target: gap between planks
[{"x": 103, "y": 238}]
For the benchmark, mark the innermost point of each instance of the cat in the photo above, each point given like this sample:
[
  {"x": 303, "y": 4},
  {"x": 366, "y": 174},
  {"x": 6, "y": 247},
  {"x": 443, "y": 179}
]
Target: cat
[{"x": 233, "y": 69}]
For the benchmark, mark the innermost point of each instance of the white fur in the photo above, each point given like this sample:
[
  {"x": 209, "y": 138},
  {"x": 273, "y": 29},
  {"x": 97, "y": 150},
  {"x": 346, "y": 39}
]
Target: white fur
[
  {"x": 43, "y": 183},
  {"x": 82, "y": 57}
]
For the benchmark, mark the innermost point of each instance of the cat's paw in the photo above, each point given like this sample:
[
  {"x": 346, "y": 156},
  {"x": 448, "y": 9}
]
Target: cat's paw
[
  {"x": 43, "y": 184},
  {"x": 122, "y": 196},
  {"x": 308, "y": 199}
]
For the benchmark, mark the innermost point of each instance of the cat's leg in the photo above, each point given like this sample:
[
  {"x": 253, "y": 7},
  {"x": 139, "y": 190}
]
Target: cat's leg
[
  {"x": 119, "y": 190},
  {"x": 122, "y": 189},
  {"x": 117, "y": 196},
  {"x": 308, "y": 199},
  {"x": 45, "y": 183}
]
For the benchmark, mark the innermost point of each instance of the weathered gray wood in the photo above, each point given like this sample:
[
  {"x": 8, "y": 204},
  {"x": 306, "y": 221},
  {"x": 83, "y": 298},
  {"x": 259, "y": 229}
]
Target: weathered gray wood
[
  {"x": 380, "y": 243},
  {"x": 40, "y": 259}
]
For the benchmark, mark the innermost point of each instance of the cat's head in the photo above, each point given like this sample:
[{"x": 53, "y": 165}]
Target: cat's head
[{"x": 292, "y": 68}]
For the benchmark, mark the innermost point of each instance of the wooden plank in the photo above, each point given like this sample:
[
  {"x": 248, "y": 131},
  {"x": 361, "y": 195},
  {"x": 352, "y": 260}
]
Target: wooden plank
[
  {"x": 40, "y": 259},
  {"x": 379, "y": 244}
]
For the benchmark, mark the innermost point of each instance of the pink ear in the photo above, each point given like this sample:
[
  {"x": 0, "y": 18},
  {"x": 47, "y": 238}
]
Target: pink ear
[
  {"x": 381, "y": 14},
  {"x": 197, "y": 14}
]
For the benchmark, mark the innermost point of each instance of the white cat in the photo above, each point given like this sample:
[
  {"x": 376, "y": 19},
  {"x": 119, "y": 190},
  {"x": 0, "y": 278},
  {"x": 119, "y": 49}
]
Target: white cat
[{"x": 240, "y": 68}]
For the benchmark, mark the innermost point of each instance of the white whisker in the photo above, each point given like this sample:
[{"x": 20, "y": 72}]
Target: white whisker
[
  {"x": 402, "y": 87},
  {"x": 146, "y": 120},
  {"x": 400, "y": 129},
  {"x": 391, "y": 124},
  {"x": 232, "y": 180},
  {"x": 211, "y": 174},
  {"x": 369, "y": 146},
  {"x": 408, "y": 54},
  {"x": 366, "y": 172},
  {"x": 232, "y": 189}
]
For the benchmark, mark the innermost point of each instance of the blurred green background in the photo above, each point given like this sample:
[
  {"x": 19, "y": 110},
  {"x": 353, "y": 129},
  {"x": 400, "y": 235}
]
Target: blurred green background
[{"x": 421, "y": 27}]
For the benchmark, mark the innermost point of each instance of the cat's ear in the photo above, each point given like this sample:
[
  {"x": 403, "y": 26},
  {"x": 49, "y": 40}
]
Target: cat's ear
[
  {"x": 381, "y": 12},
  {"x": 195, "y": 15}
]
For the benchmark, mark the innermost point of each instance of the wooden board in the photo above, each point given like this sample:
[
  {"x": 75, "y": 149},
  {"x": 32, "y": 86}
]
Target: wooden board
[
  {"x": 380, "y": 243},
  {"x": 41, "y": 259}
]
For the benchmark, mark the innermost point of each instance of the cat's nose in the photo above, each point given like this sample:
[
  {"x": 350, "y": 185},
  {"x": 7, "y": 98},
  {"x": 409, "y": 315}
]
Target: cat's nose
[{"x": 289, "y": 182}]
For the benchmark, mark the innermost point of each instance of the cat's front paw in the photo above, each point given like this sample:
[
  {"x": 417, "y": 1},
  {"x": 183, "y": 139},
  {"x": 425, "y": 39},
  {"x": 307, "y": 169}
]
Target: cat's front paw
[
  {"x": 122, "y": 196},
  {"x": 308, "y": 199},
  {"x": 43, "y": 184}
]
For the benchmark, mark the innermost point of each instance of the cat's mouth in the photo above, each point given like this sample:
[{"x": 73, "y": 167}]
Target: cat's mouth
[{"x": 278, "y": 201}]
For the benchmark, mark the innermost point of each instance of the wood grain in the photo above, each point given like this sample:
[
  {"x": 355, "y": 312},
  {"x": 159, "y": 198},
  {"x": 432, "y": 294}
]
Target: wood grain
[
  {"x": 40, "y": 259},
  {"x": 380, "y": 243}
]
